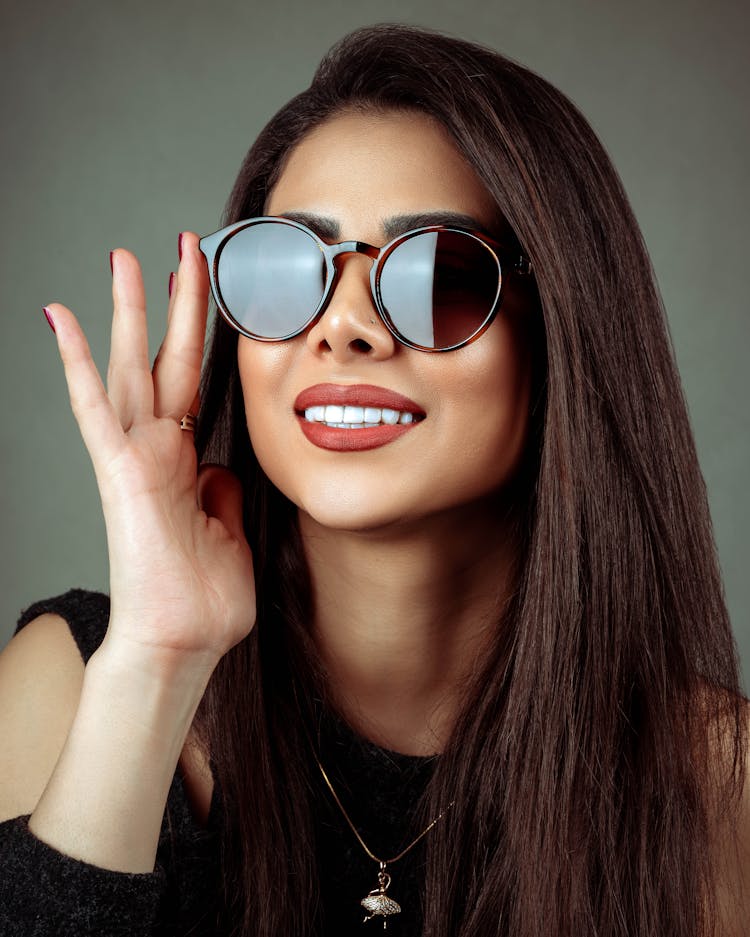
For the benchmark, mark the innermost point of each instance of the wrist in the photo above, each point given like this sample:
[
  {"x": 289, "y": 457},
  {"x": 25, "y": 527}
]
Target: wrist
[
  {"x": 155, "y": 689},
  {"x": 133, "y": 661}
]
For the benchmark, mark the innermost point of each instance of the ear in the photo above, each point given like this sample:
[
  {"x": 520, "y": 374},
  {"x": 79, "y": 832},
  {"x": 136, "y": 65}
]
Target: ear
[{"x": 220, "y": 495}]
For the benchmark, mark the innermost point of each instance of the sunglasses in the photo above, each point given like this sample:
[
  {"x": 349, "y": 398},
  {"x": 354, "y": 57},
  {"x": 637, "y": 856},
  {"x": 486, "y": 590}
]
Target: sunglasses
[{"x": 435, "y": 288}]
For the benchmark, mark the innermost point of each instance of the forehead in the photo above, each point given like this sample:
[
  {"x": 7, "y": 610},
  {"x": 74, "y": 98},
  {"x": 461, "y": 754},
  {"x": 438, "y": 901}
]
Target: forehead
[{"x": 364, "y": 168}]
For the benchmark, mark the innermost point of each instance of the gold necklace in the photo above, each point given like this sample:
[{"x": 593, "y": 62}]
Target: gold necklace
[{"x": 376, "y": 902}]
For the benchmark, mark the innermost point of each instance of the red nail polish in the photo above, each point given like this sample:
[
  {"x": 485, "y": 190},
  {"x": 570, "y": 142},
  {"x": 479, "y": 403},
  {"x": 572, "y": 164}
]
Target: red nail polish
[
  {"x": 111, "y": 262},
  {"x": 49, "y": 318},
  {"x": 179, "y": 246},
  {"x": 171, "y": 283}
]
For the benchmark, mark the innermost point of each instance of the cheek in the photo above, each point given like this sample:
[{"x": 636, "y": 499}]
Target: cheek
[
  {"x": 264, "y": 369},
  {"x": 492, "y": 401}
]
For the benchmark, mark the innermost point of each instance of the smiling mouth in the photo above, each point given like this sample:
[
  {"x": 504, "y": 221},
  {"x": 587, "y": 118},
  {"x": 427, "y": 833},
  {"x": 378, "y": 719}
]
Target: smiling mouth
[
  {"x": 347, "y": 418},
  {"x": 353, "y": 417}
]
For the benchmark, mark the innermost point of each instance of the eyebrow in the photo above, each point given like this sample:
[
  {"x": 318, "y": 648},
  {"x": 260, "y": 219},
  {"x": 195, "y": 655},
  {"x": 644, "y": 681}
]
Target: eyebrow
[{"x": 397, "y": 224}]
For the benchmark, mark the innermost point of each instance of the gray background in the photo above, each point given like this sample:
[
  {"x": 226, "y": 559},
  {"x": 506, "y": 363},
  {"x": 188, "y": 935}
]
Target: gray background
[{"x": 123, "y": 124}]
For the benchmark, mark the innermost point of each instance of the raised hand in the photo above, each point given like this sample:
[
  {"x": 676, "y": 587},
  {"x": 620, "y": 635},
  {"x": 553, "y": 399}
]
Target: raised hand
[{"x": 181, "y": 577}]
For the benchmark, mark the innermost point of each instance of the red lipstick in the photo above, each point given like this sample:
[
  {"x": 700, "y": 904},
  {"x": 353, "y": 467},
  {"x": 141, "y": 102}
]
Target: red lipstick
[{"x": 354, "y": 395}]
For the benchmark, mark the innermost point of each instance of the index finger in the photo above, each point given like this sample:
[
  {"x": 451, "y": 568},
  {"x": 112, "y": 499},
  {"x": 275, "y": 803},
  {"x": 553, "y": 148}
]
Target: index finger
[{"x": 177, "y": 366}]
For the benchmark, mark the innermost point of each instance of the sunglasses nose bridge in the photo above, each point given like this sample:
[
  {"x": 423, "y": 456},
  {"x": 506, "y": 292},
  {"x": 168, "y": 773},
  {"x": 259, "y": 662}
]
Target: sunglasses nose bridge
[
  {"x": 352, "y": 247},
  {"x": 334, "y": 251}
]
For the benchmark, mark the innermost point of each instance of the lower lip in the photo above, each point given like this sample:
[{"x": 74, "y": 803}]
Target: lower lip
[{"x": 349, "y": 440}]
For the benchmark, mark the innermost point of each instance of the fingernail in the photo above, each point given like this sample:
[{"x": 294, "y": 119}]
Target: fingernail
[
  {"x": 48, "y": 314},
  {"x": 111, "y": 262},
  {"x": 179, "y": 246},
  {"x": 171, "y": 283}
]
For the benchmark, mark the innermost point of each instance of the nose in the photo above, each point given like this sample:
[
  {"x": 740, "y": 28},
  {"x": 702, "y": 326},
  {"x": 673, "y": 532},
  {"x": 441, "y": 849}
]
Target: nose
[{"x": 350, "y": 327}]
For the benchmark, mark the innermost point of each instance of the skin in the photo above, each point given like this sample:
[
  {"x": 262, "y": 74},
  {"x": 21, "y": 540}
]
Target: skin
[
  {"x": 181, "y": 587},
  {"x": 407, "y": 546}
]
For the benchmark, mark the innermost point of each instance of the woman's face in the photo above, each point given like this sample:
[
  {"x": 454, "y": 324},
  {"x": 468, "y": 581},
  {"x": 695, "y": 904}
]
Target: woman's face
[{"x": 357, "y": 172}]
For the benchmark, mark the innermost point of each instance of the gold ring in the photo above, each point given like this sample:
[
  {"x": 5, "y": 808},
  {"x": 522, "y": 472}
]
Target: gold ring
[{"x": 188, "y": 422}]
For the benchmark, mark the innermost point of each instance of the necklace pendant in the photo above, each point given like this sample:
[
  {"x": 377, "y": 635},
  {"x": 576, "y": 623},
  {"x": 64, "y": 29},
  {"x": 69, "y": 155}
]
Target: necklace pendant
[{"x": 377, "y": 902}]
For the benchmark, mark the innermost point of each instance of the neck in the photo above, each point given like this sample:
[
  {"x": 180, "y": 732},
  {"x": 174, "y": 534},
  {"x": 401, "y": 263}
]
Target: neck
[{"x": 402, "y": 618}]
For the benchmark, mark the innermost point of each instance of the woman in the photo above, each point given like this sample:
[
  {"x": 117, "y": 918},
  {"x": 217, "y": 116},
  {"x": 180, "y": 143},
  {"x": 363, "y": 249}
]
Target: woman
[{"x": 489, "y": 685}]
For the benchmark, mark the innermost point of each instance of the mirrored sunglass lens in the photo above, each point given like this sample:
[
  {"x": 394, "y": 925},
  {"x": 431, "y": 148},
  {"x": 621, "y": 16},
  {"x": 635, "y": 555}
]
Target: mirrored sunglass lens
[
  {"x": 439, "y": 287},
  {"x": 271, "y": 278}
]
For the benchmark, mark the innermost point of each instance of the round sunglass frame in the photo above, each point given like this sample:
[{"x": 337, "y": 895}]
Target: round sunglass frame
[{"x": 212, "y": 245}]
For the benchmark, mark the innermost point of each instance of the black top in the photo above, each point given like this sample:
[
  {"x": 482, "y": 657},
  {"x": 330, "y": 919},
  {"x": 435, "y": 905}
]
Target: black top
[{"x": 44, "y": 892}]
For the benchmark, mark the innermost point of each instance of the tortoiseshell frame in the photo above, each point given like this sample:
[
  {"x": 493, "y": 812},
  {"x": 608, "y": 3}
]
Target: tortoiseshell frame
[{"x": 212, "y": 244}]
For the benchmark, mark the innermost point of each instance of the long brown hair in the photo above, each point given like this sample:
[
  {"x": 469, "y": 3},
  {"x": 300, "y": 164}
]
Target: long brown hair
[{"x": 581, "y": 765}]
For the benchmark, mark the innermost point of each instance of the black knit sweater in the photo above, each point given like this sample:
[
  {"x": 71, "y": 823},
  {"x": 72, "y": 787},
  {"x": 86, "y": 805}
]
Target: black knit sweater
[{"x": 44, "y": 893}]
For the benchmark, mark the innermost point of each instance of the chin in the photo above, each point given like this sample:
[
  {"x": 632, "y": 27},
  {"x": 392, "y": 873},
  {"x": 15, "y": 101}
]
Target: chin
[{"x": 354, "y": 515}]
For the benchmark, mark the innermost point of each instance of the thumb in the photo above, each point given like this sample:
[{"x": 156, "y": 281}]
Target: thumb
[{"x": 220, "y": 495}]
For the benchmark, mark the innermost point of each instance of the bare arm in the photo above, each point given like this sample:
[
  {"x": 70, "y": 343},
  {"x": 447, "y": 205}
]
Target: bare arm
[
  {"x": 181, "y": 585},
  {"x": 103, "y": 799},
  {"x": 41, "y": 674},
  {"x": 74, "y": 737}
]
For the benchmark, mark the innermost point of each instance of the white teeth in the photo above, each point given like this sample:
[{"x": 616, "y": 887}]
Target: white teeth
[
  {"x": 354, "y": 414},
  {"x": 347, "y": 417}
]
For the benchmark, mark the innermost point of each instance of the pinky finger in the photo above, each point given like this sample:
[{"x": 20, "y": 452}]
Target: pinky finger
[{"x": 92, "y": 408}]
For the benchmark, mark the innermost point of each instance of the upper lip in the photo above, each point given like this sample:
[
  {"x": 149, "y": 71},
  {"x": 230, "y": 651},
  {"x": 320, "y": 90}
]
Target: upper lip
[{"x": 355, "y": 395}]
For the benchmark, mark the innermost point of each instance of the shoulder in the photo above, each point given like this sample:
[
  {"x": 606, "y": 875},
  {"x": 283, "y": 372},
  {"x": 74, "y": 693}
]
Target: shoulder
[
  {"x": 41, "y": 674},
  {"x": 86, "y": 614}
]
